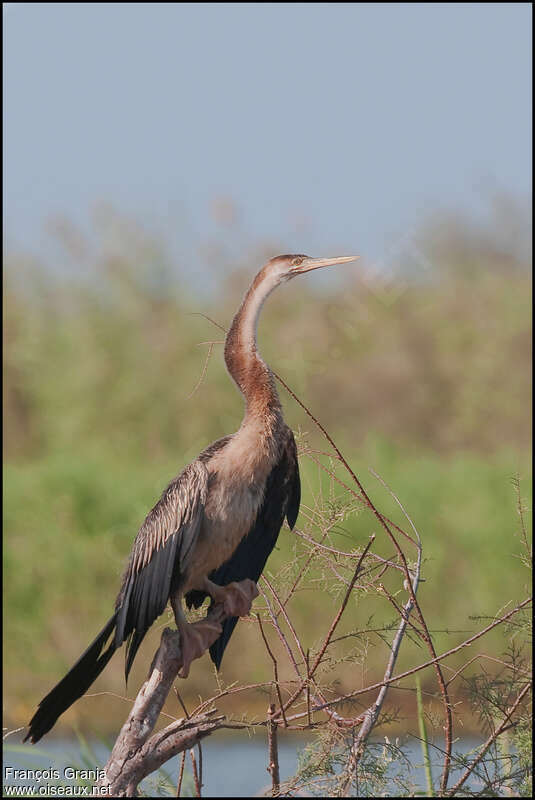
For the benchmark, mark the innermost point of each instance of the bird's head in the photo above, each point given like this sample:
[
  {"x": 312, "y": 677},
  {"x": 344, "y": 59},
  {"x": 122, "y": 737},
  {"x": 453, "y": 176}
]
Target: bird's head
[{"x": 283, "y": 268}]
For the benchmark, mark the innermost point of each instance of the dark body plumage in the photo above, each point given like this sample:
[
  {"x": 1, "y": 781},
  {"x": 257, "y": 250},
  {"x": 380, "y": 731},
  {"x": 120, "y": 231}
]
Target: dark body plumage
[{"x": 212, "y": 530}]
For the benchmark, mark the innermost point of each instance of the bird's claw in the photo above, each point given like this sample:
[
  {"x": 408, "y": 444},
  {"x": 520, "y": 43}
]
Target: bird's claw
[
  {"x": 236, "y": 598},
  {"x": 239, "y": 598},
  {"x": 195, "y": 639}
]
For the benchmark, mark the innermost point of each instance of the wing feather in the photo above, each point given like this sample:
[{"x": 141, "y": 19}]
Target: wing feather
[{"x": 159, "y": 556}]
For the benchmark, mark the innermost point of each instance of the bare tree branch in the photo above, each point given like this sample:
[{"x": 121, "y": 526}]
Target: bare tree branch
[
  {"x": 136, "y": 754},
  {"x": 273, "y": 749},
  {"x": 372, "y": 714}
]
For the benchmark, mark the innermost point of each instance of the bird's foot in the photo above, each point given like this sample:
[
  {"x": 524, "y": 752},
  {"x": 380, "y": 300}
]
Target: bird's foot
[
  {"x": 195, "y": 639},
  {"x": 236, "y": 598}
]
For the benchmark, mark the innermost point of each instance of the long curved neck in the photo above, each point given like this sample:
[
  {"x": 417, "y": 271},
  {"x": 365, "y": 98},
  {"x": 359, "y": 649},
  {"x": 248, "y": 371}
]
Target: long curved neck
[{"x": 249, "y": 371}]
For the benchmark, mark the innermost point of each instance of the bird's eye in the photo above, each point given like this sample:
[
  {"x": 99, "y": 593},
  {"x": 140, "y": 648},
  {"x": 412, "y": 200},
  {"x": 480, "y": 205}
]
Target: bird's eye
[{"x": 297, "y": 261}]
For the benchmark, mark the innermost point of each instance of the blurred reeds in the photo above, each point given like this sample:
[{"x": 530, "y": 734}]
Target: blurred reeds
[{"x": 423, "y": 373}]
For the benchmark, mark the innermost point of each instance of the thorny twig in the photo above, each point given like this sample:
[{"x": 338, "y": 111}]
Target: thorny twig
[
  {"x": 424, "y": 665},
  {"x": 275, "y": 670},
  {"x": 328, "y": 637},
  {"x": 372, "y": 714},
  {"x": 448, "y": 730},
  {"x": 203, "y": 372},
  {"x": 341, "y": 610},
  {"x": 181, "y": 773},
  {"x": 196, "y": 778},
  {"x": 273, "y": 752},
  {"x": 492, "y": 738},
  {"x": 520, "y": 510}
]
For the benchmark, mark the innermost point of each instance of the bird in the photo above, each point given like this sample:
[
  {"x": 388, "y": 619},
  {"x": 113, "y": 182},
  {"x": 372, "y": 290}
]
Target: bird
[{"x": 215, "y": 525}]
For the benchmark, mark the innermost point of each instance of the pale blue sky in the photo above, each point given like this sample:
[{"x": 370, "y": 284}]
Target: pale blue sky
[{"x": 358, "y": 118}]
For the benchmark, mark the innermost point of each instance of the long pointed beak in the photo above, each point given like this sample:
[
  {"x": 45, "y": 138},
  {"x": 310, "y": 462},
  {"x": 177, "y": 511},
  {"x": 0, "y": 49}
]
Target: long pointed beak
[{"x": 315, "y": 263}]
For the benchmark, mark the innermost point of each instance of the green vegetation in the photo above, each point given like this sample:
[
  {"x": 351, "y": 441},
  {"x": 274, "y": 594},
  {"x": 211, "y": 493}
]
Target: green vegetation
[{"x": 426, "y": 381}]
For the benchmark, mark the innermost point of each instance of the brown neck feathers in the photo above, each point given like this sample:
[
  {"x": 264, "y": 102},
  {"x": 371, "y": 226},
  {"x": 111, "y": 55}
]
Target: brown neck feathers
[{"x": 249, "y": 371}]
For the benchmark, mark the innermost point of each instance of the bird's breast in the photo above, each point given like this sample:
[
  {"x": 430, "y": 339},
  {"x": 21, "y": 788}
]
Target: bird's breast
[
  {"x": 229, "y": 514},
  {"x": 238, "y": 475}
]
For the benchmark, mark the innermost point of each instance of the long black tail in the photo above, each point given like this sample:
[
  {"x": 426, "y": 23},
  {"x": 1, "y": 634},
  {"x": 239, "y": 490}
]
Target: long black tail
[{"x": 75, "y": 683}]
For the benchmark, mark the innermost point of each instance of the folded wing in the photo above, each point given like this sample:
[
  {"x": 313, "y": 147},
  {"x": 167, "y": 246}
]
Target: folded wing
[{"x": 160, "y": 556}]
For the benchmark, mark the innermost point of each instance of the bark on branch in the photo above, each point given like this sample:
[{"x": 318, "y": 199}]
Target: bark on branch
[{"x": 136, "y": 752}]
